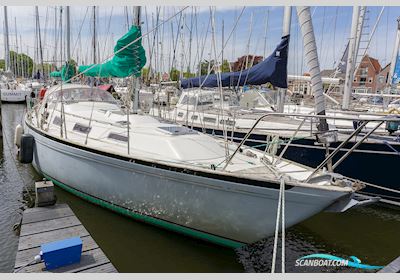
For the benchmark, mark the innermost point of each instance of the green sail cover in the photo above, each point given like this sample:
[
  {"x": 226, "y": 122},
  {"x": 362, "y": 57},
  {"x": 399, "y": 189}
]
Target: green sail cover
[
  {"x": 129, "y": 61},
  {"x": 67, "y": 71},
  {"x": 55, "y": 74}
]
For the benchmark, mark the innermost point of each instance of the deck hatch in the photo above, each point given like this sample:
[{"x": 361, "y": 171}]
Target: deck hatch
[
  {"x": 82, "y": 128},
  {"x": 177, "y": 130},
  {"x": 209, "y": 120},
  {"x": 118, "y": 137}
]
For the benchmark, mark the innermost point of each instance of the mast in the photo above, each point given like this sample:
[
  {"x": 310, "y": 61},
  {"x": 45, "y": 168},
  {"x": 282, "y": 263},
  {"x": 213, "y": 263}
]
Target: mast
[
  {"x": 287, "y": 18},
  {"x": 22, "y": 58},
  {"x": 395, "y": 53},
  {"x": 60, "y": 24},
  {"x": 135, "y": 80},
  {"x": 265, "y": 33},
  {"x": 222, "y": 47},
  {"x": 55, "y": 37},
  {"x": 311, "y": 57},
  {"x": 6, "y": 41},
  {"x": 40, "y": 39},
  {"x": 127, "y": 17},
  {"x": 351, "y": 59},
  {"x": 17, "y": 65},
  {"x": 68, "y": 39},
  {"x": 94, "y": 35},
  {"x": 360, "y": 27}
]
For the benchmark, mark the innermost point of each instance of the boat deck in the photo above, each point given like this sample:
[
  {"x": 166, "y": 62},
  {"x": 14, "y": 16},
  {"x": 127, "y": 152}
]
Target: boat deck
[{"x": 46, "y": 224}]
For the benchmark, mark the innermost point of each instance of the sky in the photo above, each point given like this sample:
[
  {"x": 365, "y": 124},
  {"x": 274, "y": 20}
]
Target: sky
[{"x": 257, "y": 29}]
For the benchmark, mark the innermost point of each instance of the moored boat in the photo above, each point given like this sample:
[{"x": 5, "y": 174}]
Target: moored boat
[{"x": 169, "y": 175}]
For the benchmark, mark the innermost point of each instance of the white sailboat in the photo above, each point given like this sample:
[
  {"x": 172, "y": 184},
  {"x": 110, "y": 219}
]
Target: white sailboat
[
  {"x": 170, "y": 176},
  {"x": 10, "y": 90}
]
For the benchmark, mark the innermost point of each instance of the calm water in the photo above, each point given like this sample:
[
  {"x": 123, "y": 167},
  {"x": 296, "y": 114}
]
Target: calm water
[{"x": 371, "y": 233}]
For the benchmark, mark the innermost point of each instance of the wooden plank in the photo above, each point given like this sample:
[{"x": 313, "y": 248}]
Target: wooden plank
[
  {"x": 49, "y": 225},
  {"x": 35, "y": 240},
  {"x": 45, "y": 209},
  {"x": 34, "y": 217},
  {"x": 393, "y": 267},
  {"x": 89, "y": 259},
  {"x": 25, "y": 256},
  {"x": 105, "y": 268}
]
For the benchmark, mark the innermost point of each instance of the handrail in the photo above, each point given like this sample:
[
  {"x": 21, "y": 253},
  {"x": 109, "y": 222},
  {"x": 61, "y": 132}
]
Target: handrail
[
  {"x": 331, "y": 155},
  {"x": 357, "y": 144},
  {"x": 365, "y": 121}
]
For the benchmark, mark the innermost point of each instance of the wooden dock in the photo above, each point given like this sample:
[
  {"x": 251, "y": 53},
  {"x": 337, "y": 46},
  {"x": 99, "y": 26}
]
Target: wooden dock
[{"x": 46, "y": 224}]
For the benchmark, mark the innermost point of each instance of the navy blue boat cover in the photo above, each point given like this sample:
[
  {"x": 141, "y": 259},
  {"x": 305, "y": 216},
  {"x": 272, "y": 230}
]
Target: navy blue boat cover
[{"x": 273, "y": 69}]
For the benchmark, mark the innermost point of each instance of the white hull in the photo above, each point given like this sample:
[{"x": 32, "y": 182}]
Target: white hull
[
  {"x": 200, "y": 205},
  {"x": 10, "y": 95}
]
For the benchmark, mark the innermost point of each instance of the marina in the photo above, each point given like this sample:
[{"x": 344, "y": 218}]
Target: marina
[{"x": 115, "y": 160}]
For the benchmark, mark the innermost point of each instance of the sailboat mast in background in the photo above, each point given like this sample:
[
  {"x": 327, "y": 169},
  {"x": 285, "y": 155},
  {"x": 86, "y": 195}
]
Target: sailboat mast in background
[
  {"x": 6, "y": 41},
  {"x": 287, "y": 19},
  {"x": 351, "y": 59}
]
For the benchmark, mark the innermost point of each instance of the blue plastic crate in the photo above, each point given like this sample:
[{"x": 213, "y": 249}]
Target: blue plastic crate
[{"x": 63, "y": 252}]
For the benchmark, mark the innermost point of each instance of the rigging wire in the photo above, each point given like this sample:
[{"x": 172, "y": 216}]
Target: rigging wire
[
  {"x": 386, "y": 37},
  {"x": 226, "y": 42},
  {"x": 108, "y": 57}
]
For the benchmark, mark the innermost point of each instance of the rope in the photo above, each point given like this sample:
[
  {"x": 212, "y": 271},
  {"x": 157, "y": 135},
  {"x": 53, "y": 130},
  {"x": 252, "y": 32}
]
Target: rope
[
  {"x": 373, "y": 185},
  {"x": 25, "y": 265},
  {"x": 281, "y": 204},
  {"x": 391, "y": 147},
  {"x": 226, "y": 42},
  {"x": 283, "y": 233}
]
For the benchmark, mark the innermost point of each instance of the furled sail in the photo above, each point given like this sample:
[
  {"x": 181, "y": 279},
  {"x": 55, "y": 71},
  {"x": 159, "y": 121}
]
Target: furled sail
[
  {"x": 273, "y": 69},
  {"x": 127, "y": 62},
  {"x": 55, "y": 74},
  {"x": 66, "y": 73}
]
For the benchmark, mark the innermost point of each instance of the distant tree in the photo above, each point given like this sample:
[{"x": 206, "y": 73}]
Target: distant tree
[
  {"x": 2, "y": 64},
  {"x": 205, "y": 65},
  {"x": 19, "y": 61},
  {"x": 174, "y": 74},
  {"x": 225, "y": 66},
  {"x": 210, "y": 65},
  {"x": 246, "y": 61},
  {"x": 145, "y": 73}
]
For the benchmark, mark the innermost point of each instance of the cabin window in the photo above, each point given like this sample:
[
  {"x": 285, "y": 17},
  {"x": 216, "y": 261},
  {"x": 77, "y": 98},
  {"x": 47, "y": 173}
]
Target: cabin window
[
  {"x": 180, "y": 114},
  {"x": 209, "y": 120},
  {"x": 57, "y": 120},
  {"x": 227, "y": 122},
  {"x": 82, "y": 128},
  {"x": 195, "y": 117},
  {"x": 118, "y": 137}
]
